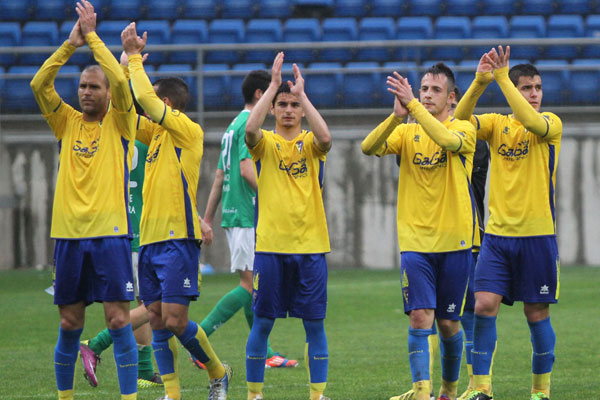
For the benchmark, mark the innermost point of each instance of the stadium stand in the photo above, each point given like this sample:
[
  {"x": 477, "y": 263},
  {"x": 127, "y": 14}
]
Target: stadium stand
[
  {"x": 376, "y": 29},
  {"x": 338, "y": 29},
  {"x": 52, "y": 10},
  {"x": 582, "y": 7},
  {"x": 301, "y": 30},
  {"x": 110, "y": 31},
  {"x": 499, "y": 7},
  {"x": 537, "y": 7},
  {"x": 159, "y": 32},
  {"x": 200, "y": 9},
  {"x": 163, "y": 9},
  {"x": 361, "y": 89},
  {"x": 17, "y": 96},
  {"x": 468, "y": 8},
  {"x": 527, "y": 26},
  {"x": 456, "y": 28},
  {"x": 592, "y": 29},
  {"x": 216, "y": 89},
  {"x": 430, "y": 8},
  {"x": 584, "y": 85},
  {"x": 80, "y": 58},
  {"x": 263, "y": 31},
  {"x": 275, "y": 9},
  {"x": 351, "y": 8},
  {"x": 38, "y": 33},
  {"x": 323, "y": 88},
  {"x": 131, "y": 10},
  {"x": 413, "y": 28},
  {"x": 15, "y": 10},
  {"x": 564, "y": 26},
  {"x": 225, "y": 31},
  {"x": 388, "y": 8},
  {"x": 554, "y": 80},
  {"x": 238, "y": 9},
  {"x": 165, "y": 70},
  {"x": 236, "y": 98},
  {"x": 10, "y": 35},
  {"x": 487, "y": 27},
  {"x": 187, "y": 32}
]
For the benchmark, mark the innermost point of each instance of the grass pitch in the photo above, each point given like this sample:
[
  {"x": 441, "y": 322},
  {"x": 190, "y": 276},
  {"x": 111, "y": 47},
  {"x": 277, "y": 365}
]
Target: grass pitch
[{"x": 366, "y": 330}]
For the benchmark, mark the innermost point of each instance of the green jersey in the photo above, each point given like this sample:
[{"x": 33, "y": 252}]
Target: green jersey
[
  {"x": 136, "y": 182},
  {"x": 238, "y": 197}
]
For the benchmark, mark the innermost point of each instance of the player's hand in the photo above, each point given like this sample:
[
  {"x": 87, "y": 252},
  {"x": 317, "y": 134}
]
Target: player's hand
[
  {"x": 76, "y": 38},
  {"x": 207, "y": 232},
  {"x": 499, "y": 59},
  {"x": 132, "y": 43},
  {"x": 399, "y": 87},
  {"x": 87, "y": 16},
  {"x": 124, "y": 60},
  {"x": 485, "y": 64},
  {"x": 399, "y": 110},
  {"x": 276, "y": 70},
  {"x": 296, "y": 88}
]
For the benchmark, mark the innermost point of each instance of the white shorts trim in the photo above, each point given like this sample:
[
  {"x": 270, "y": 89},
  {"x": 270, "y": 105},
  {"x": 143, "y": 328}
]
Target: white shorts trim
[{"x": 241, "y": 247}]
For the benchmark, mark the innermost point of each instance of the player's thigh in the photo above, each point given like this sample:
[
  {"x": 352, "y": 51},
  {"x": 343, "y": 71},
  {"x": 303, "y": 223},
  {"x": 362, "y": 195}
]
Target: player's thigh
[
  {"x": 309, "y": 286},
  {"x": 537, "y": 275},
  {"x": 269, "y": 294},
  {"x": 418, "y": 278},
  {"x": 73, "y": 278},
  {"x": 470, "y": 295},
  {"x": 493, "y": 271},
  {"x": 111, "y": 258},
  {"x": 452, "y": 278},
  {"x": 241, "y": 247}
]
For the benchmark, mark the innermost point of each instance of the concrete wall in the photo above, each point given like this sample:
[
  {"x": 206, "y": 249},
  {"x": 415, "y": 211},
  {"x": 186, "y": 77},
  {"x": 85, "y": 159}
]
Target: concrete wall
[{"x": 360, "y": 199}]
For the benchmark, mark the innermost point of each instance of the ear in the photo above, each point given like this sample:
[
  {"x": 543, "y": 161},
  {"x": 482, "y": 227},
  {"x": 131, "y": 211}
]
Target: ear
[
  {"x": 272, "y": 109},
  {"x": 258, "y": 94},
  {"x": 167, "y": 101}
]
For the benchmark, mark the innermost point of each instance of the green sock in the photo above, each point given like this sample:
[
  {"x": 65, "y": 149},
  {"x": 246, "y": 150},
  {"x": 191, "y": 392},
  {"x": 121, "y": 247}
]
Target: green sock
[
  {"x": 249, "y": 314},
  {"x": 145, "y": 368},
  {"x": 101, "y": 342},
  {"x": 225, "y": 309}
]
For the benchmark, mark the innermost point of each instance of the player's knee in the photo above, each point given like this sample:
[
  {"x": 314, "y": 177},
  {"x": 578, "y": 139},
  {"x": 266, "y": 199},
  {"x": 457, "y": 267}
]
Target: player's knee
[
  {"x": 487, "y": 304},
  {"x": 421, "y": 319},
  {"x": 175, "y": 324},
  {"x": 535, "y": 312},
  {"x": 70, "y": 322}
]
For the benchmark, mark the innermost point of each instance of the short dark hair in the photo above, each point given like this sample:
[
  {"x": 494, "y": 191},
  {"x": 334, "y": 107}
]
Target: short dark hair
[
  {"x": 96, "y": 67},
  {"x": 175, "y": 89},
  {"x": 520, "y": 70},
  {"x": 257, "y": 79},
  {"x": 283, "y": 88},
  {"x": 442, "y": 69}
]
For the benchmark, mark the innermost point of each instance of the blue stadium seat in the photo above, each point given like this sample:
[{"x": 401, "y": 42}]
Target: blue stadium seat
[
  {"x": 388, "y": 8},
  {"x": 287, "y": 71},
  {"x": 487, "y": 27},
  {"x": 10, "y": 35},
  {"x": 38, "y": 34},
  {"x": 131, "y": 10},
  {"x": 527, "y": 26},
  {"x": 50, "y": 10},
  {"x": 15, "y": 10},
  {"x": 313, "y": 3},
  {"x": 301, "y": 30},
  {"x": 216, "y": 89},
  {"x": 81, "y": 58},
  {"x": 537, "y": 7},
  {"x": 457, "y": 28},
  {"x": 554, "y": 81},
  {"x": 110, "y": 31},
  {"x": 464, "y": 78},
  {"x": 582, "y": 7},
  {"x": 200, "y": 9},
  {"x": 430, "y": 8},
  {"x": 351, "y": 8},
  {"x": 163, "y": 9},
  {"x": 263, "y": 31},
  {"x": 67, "y": 86},
  {"x": 361, "y": 89},
  {"x": 584, "y": 85},
  {"x": 225, "y": 31},
  {"x": 159, "y": 32},
  {"x": 237, "y": 100},
  {"x": 376, "y": 29},
  {"x": 407, "y": 69},
  {"x": 413, "y": 28},
  {"x": 275, "y": 9},
  {"x": 2, "y": 71},
  {"x": 17, "y": 96},
  {"x": 592, "y": 29},
  {"x": 238, "y": 8},
  {"x": 323, "y": 88},
  {"x": 187, "y": 32},
  {"x": 178, "y": 70},
  {"x": 338, "y": 30},
  {"x": 499, "y": 7},
  {"x": 463, "y": 7},
  {"x": 564, "y": 26}
]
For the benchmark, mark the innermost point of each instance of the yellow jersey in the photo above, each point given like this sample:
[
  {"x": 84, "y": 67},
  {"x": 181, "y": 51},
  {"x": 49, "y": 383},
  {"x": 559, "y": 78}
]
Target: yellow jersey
[
  {"x": 175, "y": 148},
  {"x": 290, "y": 210},
  {"x": 91, "y": 194}
]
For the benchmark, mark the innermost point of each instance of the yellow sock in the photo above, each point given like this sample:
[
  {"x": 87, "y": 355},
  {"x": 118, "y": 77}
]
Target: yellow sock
[
  {"x": 483, "y": 383},
  {"x": 470, "y": 371},
  {"x": 132, "y": 396},
  {"x": 450, "y": 389},
  {"x": 422, "y": 390},
  {"x": 254, "y": 389},
  {"x": 434, "y": 342},
  {"x": 316, "y": 390},
  {"x": 171, "y": 381},
  {"x": 214, "y": 367},
  {"x": 541, "y": 383},
  {"x": 65, "y": 394}
]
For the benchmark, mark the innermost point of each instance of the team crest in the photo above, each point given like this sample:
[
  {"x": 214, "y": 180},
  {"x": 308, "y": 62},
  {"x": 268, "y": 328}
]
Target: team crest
[
  {"x": 278, "y": 146},
  {"x": 505, "y": 130},
  {"x": 417, "y": 138},
  {"x": 299, "y": 145}
]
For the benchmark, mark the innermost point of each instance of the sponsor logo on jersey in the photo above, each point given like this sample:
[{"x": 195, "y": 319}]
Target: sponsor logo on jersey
[
  {"x": 519, "y": 152},
  {"x": 296, "y": 169},
  {"x": 85, "y": 151},
  {"x": 438, "y": 159}
]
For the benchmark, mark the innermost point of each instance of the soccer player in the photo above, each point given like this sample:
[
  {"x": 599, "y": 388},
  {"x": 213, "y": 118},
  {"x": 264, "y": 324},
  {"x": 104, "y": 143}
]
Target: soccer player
[
  {"x": 169, "y": 228},
  {"x": 290, "y": 270},
  {"x": 235, "y": 183},
  {"x": 91, "y": 350},
  {"x": 435, "y": 218},
  {"x": 519, "y": 256},
  {"x": 89, "y": 218}
]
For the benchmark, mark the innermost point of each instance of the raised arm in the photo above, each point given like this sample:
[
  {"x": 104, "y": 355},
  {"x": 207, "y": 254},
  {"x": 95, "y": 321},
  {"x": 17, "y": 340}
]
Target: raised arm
[
  {"x": 119, "y": 86},
  {"x": 483, "y": 77},
  {"x": 315, "y": 121},
  {"x": 42, "y": 83}
]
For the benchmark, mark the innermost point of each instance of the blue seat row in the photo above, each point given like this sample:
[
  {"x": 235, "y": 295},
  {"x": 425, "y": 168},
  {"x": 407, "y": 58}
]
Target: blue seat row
[
  {"x": 328, "y": 84},
  {"x": 331, "y": 29},
  {"x": 25, "y": 10}
]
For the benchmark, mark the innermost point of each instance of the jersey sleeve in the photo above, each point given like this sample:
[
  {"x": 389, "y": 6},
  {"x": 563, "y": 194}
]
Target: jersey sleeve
[
  {"x": 45, "y": 94},
  {"x": 554, "y": 128},
  {"x": 145, "y": 130},
  {"x": 466, "y": 105},
  {"x": 484, "y": 125},
  {"x": 376, "y": 141},
  {"x": 259, "y": 149},
  {"x": 465, "y": 131}
]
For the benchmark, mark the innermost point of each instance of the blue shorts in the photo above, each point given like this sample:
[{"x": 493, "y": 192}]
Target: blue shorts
[
  {"x": 294, "y": 284},
  {"x": 523, "y": 269},
  {"x": 470, "y": 296},
  {"x": 168, "y": 270},
  {"x": 92, "y": 270},
  {"x": 436, "y": 281}
]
